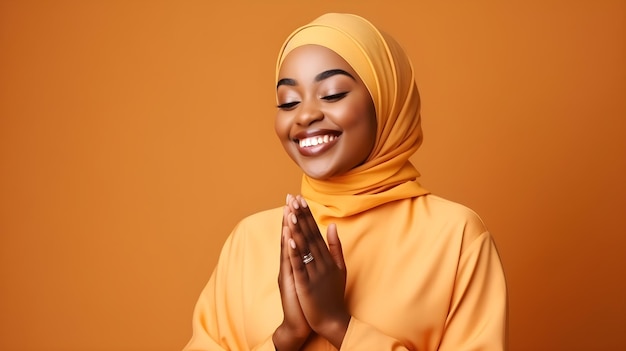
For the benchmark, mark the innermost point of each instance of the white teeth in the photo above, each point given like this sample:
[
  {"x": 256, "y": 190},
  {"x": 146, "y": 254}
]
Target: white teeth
[{"x": 316, "y": 140}]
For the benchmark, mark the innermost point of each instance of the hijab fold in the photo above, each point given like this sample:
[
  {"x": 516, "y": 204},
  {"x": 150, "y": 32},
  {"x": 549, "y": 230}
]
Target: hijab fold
[{"x": 387, "y": 174}]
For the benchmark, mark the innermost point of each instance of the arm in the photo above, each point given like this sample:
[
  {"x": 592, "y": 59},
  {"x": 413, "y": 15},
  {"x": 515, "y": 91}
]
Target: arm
[
  {"x": 477, "y": 319},
  {"x": 217, "y": 318}
]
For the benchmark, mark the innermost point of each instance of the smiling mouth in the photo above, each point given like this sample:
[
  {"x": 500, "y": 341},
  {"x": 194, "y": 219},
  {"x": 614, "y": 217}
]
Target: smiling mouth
[
  {"x": 315, "y": 145},
  {"x": 316, "y": 140}
]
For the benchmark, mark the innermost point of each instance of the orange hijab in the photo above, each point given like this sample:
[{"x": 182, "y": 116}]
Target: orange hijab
[{"x": 387, "y": 175}]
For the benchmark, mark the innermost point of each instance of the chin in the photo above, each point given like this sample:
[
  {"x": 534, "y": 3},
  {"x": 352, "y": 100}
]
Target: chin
[{"x": 317, "y": 174}]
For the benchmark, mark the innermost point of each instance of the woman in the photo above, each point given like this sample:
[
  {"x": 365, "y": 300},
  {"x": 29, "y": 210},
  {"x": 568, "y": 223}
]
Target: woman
[{"x": 400, "y": 269}]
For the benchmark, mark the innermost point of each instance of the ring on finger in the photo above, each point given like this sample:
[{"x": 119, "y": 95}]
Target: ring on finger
[{"x": 307, "y": 258}]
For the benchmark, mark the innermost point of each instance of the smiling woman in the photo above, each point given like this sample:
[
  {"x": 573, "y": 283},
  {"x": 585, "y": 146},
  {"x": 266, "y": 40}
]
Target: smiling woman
[
  {"x": 399, "y": 268},
  {"x": 326, "y": 119}
]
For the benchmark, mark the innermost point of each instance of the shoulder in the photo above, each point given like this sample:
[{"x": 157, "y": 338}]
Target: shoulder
[
  {"x": 256, "y": 233},
  {"x": 258, "y": 225},
  {"x": 451, "y": 214},
  {"x": 271, "y": 217},
  {"x": 438, "y": 206}
]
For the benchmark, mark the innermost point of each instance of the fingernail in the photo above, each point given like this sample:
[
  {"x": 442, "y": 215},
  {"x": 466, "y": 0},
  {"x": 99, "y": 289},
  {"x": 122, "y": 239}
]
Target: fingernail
[
  {"x": 287, "y": 199},
  {"x": 304, "y": 204},
  {"x": 296, "y": 205},
  {"x": 294, "y": 219},
  {"x": 292, "y": 243}
]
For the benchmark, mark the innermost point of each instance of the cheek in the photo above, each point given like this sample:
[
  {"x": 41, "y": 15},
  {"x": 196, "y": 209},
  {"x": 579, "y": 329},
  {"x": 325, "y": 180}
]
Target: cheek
[
  {"x": 361, "y": 119},
  {"x": 281, "y": 127}
]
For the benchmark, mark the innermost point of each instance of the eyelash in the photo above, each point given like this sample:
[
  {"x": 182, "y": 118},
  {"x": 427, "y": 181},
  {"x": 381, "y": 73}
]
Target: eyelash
[
  {"x": 288, "y": 105},
  {"x": 333, "y": 97}
]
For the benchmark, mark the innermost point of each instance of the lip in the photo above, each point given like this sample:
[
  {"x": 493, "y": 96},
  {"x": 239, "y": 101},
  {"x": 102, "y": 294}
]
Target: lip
[{"x": 315, "y": 150}]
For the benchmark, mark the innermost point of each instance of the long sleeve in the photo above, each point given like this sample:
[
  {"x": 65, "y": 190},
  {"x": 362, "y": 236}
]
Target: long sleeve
[
  {"x": 213, "y": 334},
  {"x": 477, "y": 319},
  {"x": 218, "y": 320},
  {"x": 478, "y": 314}
]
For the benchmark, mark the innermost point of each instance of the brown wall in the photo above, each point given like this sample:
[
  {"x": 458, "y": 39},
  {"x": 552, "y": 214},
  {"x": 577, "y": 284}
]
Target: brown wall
[{"x": 134, "y": 134}]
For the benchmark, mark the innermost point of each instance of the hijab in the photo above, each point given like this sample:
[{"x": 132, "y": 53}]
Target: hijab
[{"x": 387, "y": 174}]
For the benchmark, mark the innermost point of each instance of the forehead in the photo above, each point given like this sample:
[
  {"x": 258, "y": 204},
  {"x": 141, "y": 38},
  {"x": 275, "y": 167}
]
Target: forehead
[{"x": 309, "y": 60}]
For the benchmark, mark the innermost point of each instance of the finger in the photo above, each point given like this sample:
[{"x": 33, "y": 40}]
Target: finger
[
  {"x": 293, "y": 317},
  {"x": 288, "y": 199},
  {"x": 312, "y": 251},
  {"x": 311, "y": 231},
  {"x": 284, "y": 274},
  {"x": 334, "y": 246},
  {"x": 298, "y": 267},
  {"x": 284, "y": 253},
  {"x": 285, "y": 225},
  {"x": 307, "y": 220},
  {"x": 285, "y": 215},
  {"x": 296, "y": 231},
  {"x": 300, "y": 228},
  {"x": 290, "y": 220}
]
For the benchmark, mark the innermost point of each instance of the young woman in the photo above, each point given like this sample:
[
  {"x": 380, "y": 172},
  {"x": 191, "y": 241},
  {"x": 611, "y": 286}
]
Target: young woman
[{"x": 398, "y": 268}]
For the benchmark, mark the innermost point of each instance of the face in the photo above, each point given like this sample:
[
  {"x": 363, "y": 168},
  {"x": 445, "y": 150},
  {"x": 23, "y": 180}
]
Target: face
[{"x": 326, "y": 119}]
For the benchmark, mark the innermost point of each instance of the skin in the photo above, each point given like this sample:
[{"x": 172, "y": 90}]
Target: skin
[
  {"x": 312, "y": 294},
  {"x": 319, "y": 94}
]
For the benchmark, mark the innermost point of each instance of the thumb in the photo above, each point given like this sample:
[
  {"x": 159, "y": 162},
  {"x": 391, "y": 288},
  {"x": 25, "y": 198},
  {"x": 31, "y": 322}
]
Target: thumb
[{"x": 334, "y": 246}]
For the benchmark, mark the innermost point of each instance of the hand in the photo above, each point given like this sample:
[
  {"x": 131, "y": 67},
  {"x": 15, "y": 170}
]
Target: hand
[
  {"x": 320, "y": 283},
  {"x": 294, "y": 330}
]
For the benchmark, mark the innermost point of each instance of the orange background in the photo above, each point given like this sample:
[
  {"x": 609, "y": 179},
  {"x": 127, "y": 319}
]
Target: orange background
[{"x": 135, "y": 134}]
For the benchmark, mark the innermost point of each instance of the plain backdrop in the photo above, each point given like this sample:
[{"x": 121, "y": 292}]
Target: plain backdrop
[{"x": 135, "y": 134}]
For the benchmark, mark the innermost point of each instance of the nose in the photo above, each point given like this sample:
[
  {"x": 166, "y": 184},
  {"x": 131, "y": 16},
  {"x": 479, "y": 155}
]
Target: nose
[{"x": 309, "y": 113}]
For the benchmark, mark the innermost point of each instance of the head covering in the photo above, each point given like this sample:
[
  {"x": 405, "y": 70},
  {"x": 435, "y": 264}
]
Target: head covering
[{"x": 387, "y": 175}]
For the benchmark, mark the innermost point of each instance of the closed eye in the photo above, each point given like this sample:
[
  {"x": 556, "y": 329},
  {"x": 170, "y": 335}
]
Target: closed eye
[
  {"x": 288, "y": 105},
  {"x": 335, "y": 97}
]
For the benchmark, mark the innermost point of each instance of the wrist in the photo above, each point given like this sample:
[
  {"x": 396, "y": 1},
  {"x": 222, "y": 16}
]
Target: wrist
[
  {"x": 285, "y": 339},
  {"x": 335, "y": 330}
]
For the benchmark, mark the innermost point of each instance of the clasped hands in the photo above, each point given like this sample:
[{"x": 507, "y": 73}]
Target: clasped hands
[{"x": 311, "y": 279}]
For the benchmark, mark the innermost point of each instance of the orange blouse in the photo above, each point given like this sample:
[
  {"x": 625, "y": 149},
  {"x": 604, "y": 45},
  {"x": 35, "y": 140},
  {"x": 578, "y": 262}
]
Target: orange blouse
[{"x": 423, "y": 274}]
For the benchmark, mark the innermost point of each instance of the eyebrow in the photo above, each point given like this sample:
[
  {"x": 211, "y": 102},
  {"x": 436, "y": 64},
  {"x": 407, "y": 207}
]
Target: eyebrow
[{"x": 318, "y": 78}]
